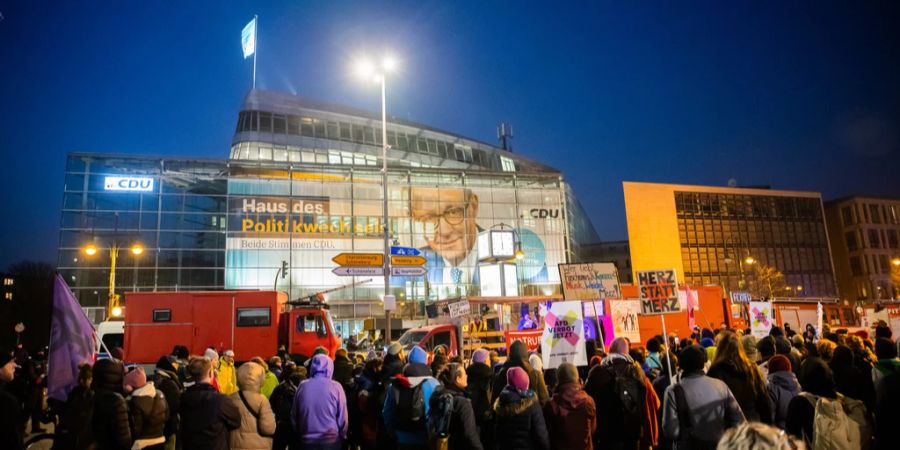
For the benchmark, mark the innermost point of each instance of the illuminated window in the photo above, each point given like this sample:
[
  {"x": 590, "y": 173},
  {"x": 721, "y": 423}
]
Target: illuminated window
[
  {"x": 7, "y": 295},
  {"x": 507, "y": 164},
  {"x": 7, "y": 281}
]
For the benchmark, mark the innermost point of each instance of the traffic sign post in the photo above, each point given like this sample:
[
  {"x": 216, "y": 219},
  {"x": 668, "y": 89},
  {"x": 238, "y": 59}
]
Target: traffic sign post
[
  {"x": 408, "y": 261},
  {"x": 357, "y": 271},
  {"x": 407, "y": 271},
  {"x": 405, "y": 251},
  {"x": 359, "y": 259}
]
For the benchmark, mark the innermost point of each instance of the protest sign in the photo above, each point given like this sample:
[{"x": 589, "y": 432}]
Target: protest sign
[
  {"x": 563, "y": 337},
  {"x": 762, "y": 318},
  {"x": 625, "y": 319},
  {"x": 658, "y": 291},
  {"x": 591, "y": 281}
]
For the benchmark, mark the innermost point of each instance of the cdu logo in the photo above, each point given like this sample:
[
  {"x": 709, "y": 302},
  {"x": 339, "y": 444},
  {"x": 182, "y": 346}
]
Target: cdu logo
[
  {"x": 144, "y": 184},
  {"x": 542, "y": 213}
]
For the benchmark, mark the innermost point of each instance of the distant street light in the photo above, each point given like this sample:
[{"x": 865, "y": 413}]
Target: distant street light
[{"x": 113, "y": 307}]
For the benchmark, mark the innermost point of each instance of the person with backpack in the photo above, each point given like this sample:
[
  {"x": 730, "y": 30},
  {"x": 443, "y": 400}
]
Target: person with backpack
[
  {"x": 570, "y": 415},
  {"x": 782, "y": 387},
  {"x": 518, "y": 418},
  {"x": 319, "y": 413},
  {"x": 619, "y": 393},
  {"x": 743, "y": 378},
  {"x": 206, "y": 415},
  {"x": 148, "y": 410},
  {"x": 368, "y": 392},
  {"x": 518, "y": 357},
  {"x": 697, "y": 409},
  {"x": 165, "y": 378},
  {"x": 451, "y": 420},
  {"x": 406, "y": 404},
  {"x": 282, "y": 400},
  {"x": 821, "y": 416},
  {"x": 257, "y": 420},
  {"x": 480, "y": 386},
  {"x": 394, "y": 361}
]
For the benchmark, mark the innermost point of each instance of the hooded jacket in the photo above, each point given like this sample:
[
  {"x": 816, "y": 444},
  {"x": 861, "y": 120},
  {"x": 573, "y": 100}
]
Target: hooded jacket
[
  {"x": 227, "y": 377},
  {"x": 343, "y": 369},
  {"x": 463, "y": 431},
  {"x": 206, "y": 418},
  {"x": 611, "y": 426},
  {"x": 149, "y": 414},
  {"x": 571, "y": 417},
  {"x": 782, "y": 388},
  {"x": 519, "y": 421},
  {"x": 413, "y": 375},
  {"x": 257, "y": 422},
  {"x": 518, "y": 357},
  {"x": 480, "y": 389},
  {"x": 110, "y": 423},
  {"x": 319, "y": 413}
]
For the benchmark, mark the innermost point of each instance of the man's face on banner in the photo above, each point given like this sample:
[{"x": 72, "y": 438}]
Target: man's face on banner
[{"x": 448, "y": 216}]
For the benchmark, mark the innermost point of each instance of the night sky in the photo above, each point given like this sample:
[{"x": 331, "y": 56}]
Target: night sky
[{"x": 803, "y": 95}]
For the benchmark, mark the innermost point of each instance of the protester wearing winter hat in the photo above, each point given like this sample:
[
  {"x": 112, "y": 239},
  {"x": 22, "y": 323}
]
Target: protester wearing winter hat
[
  {"x": 11, "y": 415},
  {"x": 394, "y": 360},
  {"x": 518, "y": 357},
  {"x": 615, "y": 429},
  {"x": 782, "y": 387},
  {"x": 148, "y": 409},
  {"x": 227, "y": 376},
  {"x": 257, "y": 419},
  {"x": 571, "y": 415},
  {"x": 707, "y": 404},
  {"x": 110, "y": 422},
  {"x": 519, "y": 419},
  {"x": 480, "y": 385},
  {"x": 412, "y": 434}
]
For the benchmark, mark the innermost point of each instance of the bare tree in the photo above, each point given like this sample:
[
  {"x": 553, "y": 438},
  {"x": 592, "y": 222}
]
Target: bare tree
[{"x": 769, "y": 281}]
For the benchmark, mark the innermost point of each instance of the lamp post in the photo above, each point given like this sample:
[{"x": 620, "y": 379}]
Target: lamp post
[
  {"x": 113, "y": 308},
  {"x": 367, "y": 69}
]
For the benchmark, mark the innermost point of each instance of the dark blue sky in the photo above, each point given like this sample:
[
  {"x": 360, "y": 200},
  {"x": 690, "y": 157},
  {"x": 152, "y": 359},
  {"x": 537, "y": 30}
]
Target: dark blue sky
[{"x": 799, "y": 96}]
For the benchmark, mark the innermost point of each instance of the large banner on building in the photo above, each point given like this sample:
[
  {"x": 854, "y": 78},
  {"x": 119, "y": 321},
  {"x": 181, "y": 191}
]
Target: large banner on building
[
  {"x": 307, "y": 221},
  {"x": 563, "y": 339},
  {"x": 658, "y": 291},
  {"x": 625, "y": 318},
  {"x": 590, "y": 281},
  {"x": 762, "y": 318}
]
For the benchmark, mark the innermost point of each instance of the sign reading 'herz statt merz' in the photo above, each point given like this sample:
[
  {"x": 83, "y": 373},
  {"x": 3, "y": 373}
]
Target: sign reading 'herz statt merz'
[{"x": 658, "y": 291}]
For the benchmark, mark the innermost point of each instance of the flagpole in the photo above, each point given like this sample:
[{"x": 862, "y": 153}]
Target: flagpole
[{"x": 255, "y": 46}]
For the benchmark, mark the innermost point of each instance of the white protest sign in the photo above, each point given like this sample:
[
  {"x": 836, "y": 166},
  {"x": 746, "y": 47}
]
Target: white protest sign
[{"x": 563, "y": 338}]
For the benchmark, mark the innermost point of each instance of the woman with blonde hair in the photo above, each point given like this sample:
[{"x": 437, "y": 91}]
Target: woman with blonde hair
[
  {"x": 734, "y": 368},
  {"x": 825, "y": 349},
  {"x": 757, "y": 436}
]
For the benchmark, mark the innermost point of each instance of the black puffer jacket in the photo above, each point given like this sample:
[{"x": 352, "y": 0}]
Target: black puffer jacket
[
  {"x": 110, "y": 422},
  {"x": 207, "y": 417},
  {"x": 149, "y": 412},
  {"x": 613, "y": 426},
  {"x": 480, "y": 391},
  {"x": 463, "y": 432},
  {"x": 519, "y": 421},
  {"x": 167, "y": 382}
]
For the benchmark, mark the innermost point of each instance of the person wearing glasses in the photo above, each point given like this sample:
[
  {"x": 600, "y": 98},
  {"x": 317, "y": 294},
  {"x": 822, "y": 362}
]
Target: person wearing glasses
[{"x": 446, "y": 218}]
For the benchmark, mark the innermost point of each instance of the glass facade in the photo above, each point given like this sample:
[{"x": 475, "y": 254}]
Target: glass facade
[
  {"x": 210, "y": 224},
  {"x": 717, "y": 231}
]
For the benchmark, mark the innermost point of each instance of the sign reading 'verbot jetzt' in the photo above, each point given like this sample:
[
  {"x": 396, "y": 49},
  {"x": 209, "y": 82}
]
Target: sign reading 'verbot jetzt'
[{"x": 658, "y": 291}]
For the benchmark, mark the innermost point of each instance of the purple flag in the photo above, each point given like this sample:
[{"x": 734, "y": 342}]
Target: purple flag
[{"x": 71, "y": 341}]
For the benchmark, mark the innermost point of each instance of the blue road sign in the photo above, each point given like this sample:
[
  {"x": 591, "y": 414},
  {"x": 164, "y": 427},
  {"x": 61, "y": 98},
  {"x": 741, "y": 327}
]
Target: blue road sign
[{"x": 405, "y": 251}]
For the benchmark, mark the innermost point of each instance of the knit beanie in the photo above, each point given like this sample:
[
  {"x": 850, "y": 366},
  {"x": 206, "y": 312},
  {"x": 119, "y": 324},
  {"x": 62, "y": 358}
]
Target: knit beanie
[
  {"x": 779, "y": 363},
  {"x": 418, "y": 356},
  {"x": 480, "y": 356},
  {"x": 135, "y": 379},
  {"x": 394, "y": 348},
  {"x": 517, "y": 377}
]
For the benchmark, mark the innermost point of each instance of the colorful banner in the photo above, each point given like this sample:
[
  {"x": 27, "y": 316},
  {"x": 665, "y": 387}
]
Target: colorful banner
[
  {"x": 563, "y": 338},
  {"x": 531, "y": 338},
  {"x": 762, "y": 318},
  {"x": 591, "y": 281},
  {"x": 658, "y": 291},
  {"x": 624, "y": 314}
]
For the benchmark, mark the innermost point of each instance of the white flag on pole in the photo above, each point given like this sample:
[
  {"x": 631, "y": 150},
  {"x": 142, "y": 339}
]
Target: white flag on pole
[{"x": 248, "y": 39}]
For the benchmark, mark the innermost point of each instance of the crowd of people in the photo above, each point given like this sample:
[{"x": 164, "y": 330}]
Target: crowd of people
[{"x": 721, "y": 389}]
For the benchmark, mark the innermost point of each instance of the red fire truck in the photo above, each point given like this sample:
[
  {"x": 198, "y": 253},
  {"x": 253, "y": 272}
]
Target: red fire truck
[{"x": 251, "y": 323}]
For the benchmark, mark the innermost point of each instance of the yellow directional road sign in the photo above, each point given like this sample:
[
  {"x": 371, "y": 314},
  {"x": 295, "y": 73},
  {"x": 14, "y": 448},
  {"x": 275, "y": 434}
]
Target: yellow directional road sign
[
  {"x": 407, "y": 260},
  {"x": 359, "y": 259}
]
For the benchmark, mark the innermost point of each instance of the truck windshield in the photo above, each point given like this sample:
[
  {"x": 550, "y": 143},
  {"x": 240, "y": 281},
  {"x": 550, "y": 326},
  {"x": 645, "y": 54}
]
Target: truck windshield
[{"x": 411, "y": 338}]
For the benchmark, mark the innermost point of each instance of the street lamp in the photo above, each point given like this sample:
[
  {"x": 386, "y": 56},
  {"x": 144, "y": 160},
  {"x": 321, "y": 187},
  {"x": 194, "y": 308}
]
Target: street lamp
[
  {"x": 366, "y": 69},
  {"x": 113, "y": 307},
  {"x": 895, "y": 261}
]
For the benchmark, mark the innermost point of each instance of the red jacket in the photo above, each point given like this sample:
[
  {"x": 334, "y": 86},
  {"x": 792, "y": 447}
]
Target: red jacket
[{"x": 571, "y": 418}]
